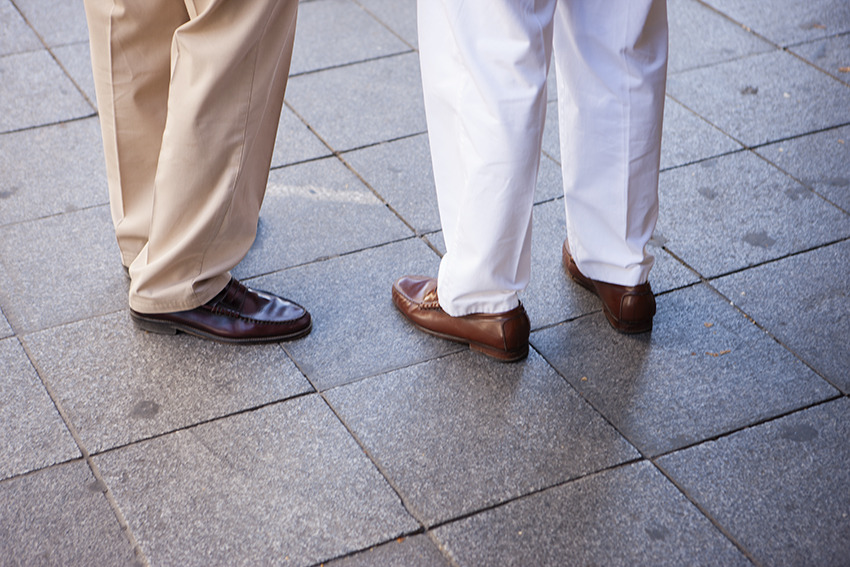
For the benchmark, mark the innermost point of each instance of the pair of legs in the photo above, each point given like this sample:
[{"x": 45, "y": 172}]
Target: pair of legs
[
  {"x": 189, "y": 97},
  {"x": 484, "y": 69}
]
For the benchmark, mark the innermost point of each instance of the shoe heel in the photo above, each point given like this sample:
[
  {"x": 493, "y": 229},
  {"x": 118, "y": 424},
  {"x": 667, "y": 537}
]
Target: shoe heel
[{"x": 154, "y": 326}]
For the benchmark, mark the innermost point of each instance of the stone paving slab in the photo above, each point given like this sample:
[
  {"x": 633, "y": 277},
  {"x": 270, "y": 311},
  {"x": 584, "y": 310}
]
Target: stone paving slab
[
  {"x": 763, "y": 98},
  {"x": 797, "y": 301},
  {"x": 76, "y": 60},
  {"x": 60, "y": 516},
  {"x": 15, "y": 35},
  {"x": 397, "y": 15},
  {"x": 284, "y": 482},
  {"x": 60, "y": 269},
  {"x": 59, "y": 23},
  {"x": 820, "y": 161},
  {"x": 788, "y": 21},
  {"x": 160, "y": 383},
  {"x": 68, "y": 159},
  {"x": 514, "y": 428},
  {"x": 37, "y": 92},
  {"x": 378, "y": 101},
  {"x": 415, "y": 551},
  {"x": 700, "y": 37},
  {"x": 829, "y": 55},
  {"x": 400, "y": 172},
  {"x": 5, "y": 329},
  {"x": 627, "y": 516},
  {"x": 737, "y": 211},
  {"x": 330, "y": 33},
  {"x": 357, "y": 331},
  {"x": 780, "y": 489},
  {"x": 295, "y": 142},
  {"x": 688, "y": 138},
  {"x": 703, "y": 371},
  {"x": 33, "y": 435},
  {"x": 315, "y": 210}
]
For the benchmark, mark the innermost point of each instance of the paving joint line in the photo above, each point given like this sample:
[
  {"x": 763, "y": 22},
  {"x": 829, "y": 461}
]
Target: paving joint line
[{"x": 87, "y": 457}]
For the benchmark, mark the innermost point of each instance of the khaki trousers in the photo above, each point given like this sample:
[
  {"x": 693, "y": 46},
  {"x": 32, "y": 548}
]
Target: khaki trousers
[
  {"x": 484, "y": 69},
  {"x": 189, "y": 94}
]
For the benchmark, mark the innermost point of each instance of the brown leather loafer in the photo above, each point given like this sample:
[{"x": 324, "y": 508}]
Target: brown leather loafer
[
  {"x": 503, "y": 336},
  {"x": 629, "y": 309},
  {"x": 238, "y": 314}
]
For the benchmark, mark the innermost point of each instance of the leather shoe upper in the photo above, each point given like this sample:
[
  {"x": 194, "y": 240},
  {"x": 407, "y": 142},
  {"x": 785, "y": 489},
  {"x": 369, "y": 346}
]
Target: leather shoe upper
[
  {"x": 237, "y": 314},
  {"x": 503, "y": 336},
  {"x": 629, "y": 309}
]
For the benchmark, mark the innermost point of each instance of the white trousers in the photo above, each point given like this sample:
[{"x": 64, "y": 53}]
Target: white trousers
[{"x": 484, "y": 68}]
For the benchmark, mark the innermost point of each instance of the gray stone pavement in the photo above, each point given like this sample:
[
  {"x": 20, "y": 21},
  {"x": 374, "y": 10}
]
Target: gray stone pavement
[{"x": 719, "y": 439}]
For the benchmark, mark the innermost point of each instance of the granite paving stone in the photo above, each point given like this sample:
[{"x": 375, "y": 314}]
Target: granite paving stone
[
  {"x": 160, "y": 383},
  {"x": 399, "y": 16},
  {"x": 37, "y": 92},
  {"x": 700, "y": 36},
  {"x": 514, "y": 428},
  {"x": 315, "y": 210},
  {"x": 736, "y": 211},
  {"x": 284, "y": 483},
  {"x": 5, "y": 329},
  {"x": 788, "y": 21},
  {"x": 58, "y": 23},
  {"x": 71, "y": 175},
  {"x": 357, "y": 331},
  {"x": 627, "y": 516},
  {"x": 415, "y": 551},
  {"x": 362, "y": 104},
  {"x": 76, "y": 59},
  {"x": 704, "y": 370},
  {"x": 820, "y": 161},
  {"x": 763, "y": 98},
  {"x": 831, "y": 55},
  {"x": 798, "y": 302},
  {"x": 550, "y": 183},
  {"x": 295, "y": 142},
  {"x": 400, "y": 172},
  {"x": 331, "y": 33},
  {"x": 33, "y": 435},
  {"x": 15, "y": 35},
  {"x": 60, "y": 516},
  {"x": 551, "y": 133},
  {"x": 780, "y": 489},
  {"x": 60, "y": 269},
  {"x": 687, "y": 138}
]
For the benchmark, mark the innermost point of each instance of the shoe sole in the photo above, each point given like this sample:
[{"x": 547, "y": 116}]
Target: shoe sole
[
  {"x": 498, "y": 354},
  {"x": 168, "y": 328}
]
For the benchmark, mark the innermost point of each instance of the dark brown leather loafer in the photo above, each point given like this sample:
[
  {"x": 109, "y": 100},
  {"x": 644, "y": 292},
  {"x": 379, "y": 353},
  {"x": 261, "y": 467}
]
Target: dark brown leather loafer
[
  {"x": 629, "y": 309},
  {"x": 238, "y": 314},
  {"x": 503, "y": 336}
]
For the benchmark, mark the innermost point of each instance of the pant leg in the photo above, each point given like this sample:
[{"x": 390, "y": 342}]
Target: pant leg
[
  {"x": 131, "y": 59},
  {"x": 484, "y": 66},
  {"x": 229, "y": 67},
  {"x": 611, "y": 60}
]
